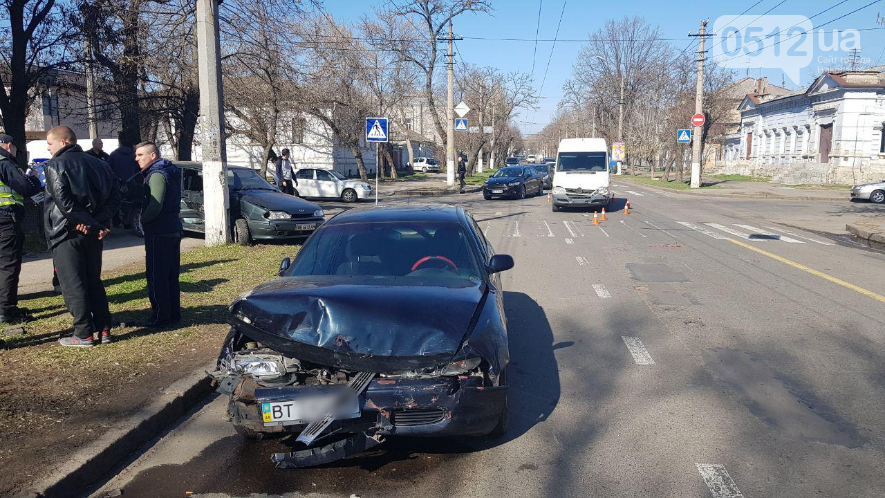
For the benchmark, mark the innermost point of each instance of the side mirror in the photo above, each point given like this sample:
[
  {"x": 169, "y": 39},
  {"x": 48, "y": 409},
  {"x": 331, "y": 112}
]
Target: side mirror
[
  {"x": 500, "y": 262},
  {"x": 284, "y": 265}
]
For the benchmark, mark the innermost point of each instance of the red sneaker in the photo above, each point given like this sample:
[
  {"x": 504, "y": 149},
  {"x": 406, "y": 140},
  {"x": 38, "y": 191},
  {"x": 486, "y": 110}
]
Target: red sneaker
[
  {"x": 105, "y": 336},
  {"x": 76, "y": 342}
]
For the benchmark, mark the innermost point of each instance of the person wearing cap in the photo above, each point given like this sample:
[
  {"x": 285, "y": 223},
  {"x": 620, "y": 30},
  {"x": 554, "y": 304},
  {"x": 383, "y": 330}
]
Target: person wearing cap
[
  {"x": 14, "y": 188},
  {"x": 285, "y": 173},
  {"x": 96, "y": 150}
]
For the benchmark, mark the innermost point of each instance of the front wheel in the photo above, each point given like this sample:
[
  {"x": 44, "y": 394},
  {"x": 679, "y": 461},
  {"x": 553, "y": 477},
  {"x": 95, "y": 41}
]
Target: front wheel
[
  {"x": 424, "y": 170},
  {"x": 878, "y": 197},
  {"x": 540, "y": 189},
  {"x": 487, "y": 197},
  {"x": 555, "y": 208},
  {"x": 241, "y": 232},
  {"x": 349, "y": 195},
  {"x": 522, "y": 192}
]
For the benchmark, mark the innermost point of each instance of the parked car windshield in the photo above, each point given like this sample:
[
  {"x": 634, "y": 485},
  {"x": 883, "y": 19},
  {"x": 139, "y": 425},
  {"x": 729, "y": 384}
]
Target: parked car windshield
[
  {"x": 514, "y": 172},
  {"x": 542, "y": 169},
  {"x": 512, "y": 160},
  {"x": 582, "y": 161},
  {"x": 246, "y": 179},
  {"x": 414, "y": 251}
]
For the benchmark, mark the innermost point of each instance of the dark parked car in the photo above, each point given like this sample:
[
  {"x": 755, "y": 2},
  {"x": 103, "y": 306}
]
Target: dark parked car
[
  {"x": 511, "y": 161},
  {"x": 258, "y": 210},
  {"x": 515, "y": 182},
  {"x": 388, "y": 322},
  {"x": 546, "y": 174}
]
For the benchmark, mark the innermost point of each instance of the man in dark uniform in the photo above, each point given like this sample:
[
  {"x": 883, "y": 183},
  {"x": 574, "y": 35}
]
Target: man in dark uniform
[
  {"x": 122, "y": 163},
  {"x": 162, "y": 234},
  {"x": 82, "y": 196},
  {"x": 462, "y": 170},
  {"x": 96, "y": 150},
  {"x": 14, "y": 188}
]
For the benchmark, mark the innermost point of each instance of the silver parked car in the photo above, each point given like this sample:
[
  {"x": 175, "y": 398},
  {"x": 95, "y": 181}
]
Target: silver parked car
[{"x": 873, "y": 192}]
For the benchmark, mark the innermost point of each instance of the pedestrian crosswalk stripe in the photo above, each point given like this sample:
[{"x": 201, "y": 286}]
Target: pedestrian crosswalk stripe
[
  {"x": 736, "y": 233},
  {"x": 637, "y": 194},
  {"x": 800, "y": 236},
  {"x": 637, "y": 350},
  {"x": 703, "y": 230},
  {"x": 569, "y": 241},
  {"x": 514, "y": 232},
  {"x": 757, "y": 231},
  {"x": 718, "y": 481},
  {"x": 573, "y": 229},
  {"x": 582, "y": 260},
  {"x": 601, "y": 291},
  {"x": 545, "y": 227},
  {"x": 631, "y": 228}
]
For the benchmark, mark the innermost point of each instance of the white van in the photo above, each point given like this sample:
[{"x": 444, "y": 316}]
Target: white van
[{"x": 582, "y": 174}]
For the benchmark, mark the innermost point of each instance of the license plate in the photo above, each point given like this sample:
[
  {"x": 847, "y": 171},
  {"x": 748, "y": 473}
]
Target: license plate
[
  {"x": 305, "y": 226},
  {"x": 308, "y": 409},
  {"x": 497, "y": 191}
]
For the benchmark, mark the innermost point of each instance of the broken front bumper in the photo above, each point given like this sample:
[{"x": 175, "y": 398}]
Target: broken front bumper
[{"x": 441, "y": 406}]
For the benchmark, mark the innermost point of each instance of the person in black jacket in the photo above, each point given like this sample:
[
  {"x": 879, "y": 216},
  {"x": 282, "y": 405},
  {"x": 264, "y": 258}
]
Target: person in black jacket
[
  {"x": 462, "y": 170},
  {"x": 285, "y": 170},
  {"x": 96, "y": 150},
  {"x": 122, "y": 163},
  {"x": 162, "y": 234},
  {"x": 14, "y": 188},
  {"x": 82, "y": 195}
]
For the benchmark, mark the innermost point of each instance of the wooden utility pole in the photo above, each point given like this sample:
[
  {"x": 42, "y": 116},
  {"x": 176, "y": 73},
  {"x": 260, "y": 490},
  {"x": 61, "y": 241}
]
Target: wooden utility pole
[
  {"x": 212, "y": 139},
  {"x": 450, "y": 109},
  {"x": 698, "y": 137},
  {"x": 90, "y": 93}
]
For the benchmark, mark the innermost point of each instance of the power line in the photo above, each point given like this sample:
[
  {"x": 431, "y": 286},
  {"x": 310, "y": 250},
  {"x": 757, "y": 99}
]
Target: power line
[
  {"x": 547, "y": 69},
  {"x": 537, "y": 32}
]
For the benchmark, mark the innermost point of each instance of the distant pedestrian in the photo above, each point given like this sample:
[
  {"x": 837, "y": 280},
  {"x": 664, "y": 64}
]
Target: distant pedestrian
[
  {"x": 162, "y": 234},
  {"x": 122, "y": 163},
  {"x": 285, "y": 170},
  {"x": 462, "y": 171},
  {"x": 14, "y": 188},
  {"x": 82, "y": 196},
  {"x": 97, "y": 150}
]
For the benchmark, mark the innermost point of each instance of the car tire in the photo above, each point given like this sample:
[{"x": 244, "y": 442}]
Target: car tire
[
  {"x": 424, "y": 170},
  {"x": 540, "y": 189},
  {"x": 878, "y": 197},
  {"x": 242, "y": 235},
  {"x": 555, "y": 208},
  {"x": 487, "y": 197},
  {"x": 503, "y": 421},
  {"x": 349, "y": 195},
  {"x": 522, "y": 193}
]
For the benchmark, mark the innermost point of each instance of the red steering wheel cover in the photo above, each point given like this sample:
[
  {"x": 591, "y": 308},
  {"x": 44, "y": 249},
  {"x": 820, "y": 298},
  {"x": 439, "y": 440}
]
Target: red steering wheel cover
[{"x": 428, "y": 258}]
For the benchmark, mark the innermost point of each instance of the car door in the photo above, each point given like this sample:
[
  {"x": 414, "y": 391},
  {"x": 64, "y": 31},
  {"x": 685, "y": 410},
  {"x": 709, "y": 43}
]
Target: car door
[
  {"x": 531, "y": 179},
  {"x": 192, "y": 213},
  {"x": 328, "y": 185},
  {"x": 307, "y": 185}
]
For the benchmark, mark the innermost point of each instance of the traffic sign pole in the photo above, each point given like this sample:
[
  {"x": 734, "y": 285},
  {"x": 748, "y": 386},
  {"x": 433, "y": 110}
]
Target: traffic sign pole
[{"x": 698, "y": 121}]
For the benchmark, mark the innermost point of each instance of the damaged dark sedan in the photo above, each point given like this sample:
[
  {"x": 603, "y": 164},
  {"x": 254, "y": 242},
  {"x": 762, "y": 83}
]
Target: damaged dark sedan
[{"x": 388, "y": 322}]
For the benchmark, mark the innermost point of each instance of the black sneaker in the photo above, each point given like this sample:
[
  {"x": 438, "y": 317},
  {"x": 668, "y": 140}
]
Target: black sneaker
[
  {"x": 105, "y": 336},
  {"x": 15, "y": 319},
  {"x": 76, "y": 342}
]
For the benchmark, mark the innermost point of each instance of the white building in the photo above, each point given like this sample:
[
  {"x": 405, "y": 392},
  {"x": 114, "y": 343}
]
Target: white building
[{"x": 828, "y": 133}]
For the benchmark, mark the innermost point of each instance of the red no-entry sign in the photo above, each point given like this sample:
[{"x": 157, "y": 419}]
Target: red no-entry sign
[{"x": 698, "y": 120}]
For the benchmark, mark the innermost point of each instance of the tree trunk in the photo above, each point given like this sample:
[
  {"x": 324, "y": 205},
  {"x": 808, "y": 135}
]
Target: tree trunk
[
  {"x": 411, "y": 153},
  {"x": 126, "y": 80},
  {"x": 188, "y": 125},
  {"x": 265, "y": 158},
  {"x": 388, "y": 158},
  {"x": 471, "y": 160},
  {"x": 358, "y": 155}
]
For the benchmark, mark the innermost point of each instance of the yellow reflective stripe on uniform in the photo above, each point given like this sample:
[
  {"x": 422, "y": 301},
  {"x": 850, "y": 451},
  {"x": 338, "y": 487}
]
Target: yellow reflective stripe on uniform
[{"x": 9, "y": 197}]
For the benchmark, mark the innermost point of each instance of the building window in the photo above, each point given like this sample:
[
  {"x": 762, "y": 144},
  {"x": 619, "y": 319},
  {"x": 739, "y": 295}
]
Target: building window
[{"x": 409, "y": 125}]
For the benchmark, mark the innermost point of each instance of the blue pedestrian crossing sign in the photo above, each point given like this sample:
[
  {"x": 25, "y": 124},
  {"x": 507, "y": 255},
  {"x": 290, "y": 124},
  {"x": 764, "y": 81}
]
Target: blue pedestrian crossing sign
[
  {"x": 683, "y": 136},
  {"x": 376, "y": 130},
  {"x": 461, "y": 124}
]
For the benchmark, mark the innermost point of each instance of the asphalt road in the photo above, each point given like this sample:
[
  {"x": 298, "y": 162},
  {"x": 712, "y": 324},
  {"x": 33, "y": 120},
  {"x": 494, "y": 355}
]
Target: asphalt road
[{"x": 695, "y": 347}]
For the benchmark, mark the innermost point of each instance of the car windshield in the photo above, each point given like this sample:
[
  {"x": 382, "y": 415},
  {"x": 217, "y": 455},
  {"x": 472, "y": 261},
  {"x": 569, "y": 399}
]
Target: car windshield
[
  {"x": 505, "y": 172},
  {"x": 541, "y": 169},
  {"x": 416, "y": 251},
  {"x": 582, "y": 161},
  {"x": 246, "y": 179},
  {"x": 337, "y": 175},
  {"x": 512, "y": 160}
]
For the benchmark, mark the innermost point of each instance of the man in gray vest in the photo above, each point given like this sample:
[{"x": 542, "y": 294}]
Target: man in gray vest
[{"x": 14, "y": 188}]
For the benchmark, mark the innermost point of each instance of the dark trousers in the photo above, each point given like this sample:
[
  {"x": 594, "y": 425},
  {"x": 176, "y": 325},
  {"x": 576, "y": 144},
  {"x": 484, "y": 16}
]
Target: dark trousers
[
  {"x": 11, "y": 240},
  {"x": 461, "y": 179},
  {"x": 288, "y": 187},
  {"x": 77, "y": 261},
  {"x": 163, "y": 261}
]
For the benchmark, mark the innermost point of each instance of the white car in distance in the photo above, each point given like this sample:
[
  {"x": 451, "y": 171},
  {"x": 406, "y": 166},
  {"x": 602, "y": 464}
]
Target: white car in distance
[{"x": 327, "y": 184}]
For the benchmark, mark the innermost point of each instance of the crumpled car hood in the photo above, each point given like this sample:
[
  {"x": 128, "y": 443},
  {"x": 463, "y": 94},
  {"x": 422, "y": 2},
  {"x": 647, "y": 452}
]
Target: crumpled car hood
[
  {"x": 361, "y": 323},
  {"x": 277, "y": 201}
]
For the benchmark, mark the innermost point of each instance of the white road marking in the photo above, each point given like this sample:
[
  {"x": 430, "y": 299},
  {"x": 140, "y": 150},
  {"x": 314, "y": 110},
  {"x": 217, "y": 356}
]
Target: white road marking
[
  {"x": 582, "y": 260},
  {"x": 573, "y": 229},
  {"x": 703, "y": 230},
  {"x": 637, "y": 349},
  {"x": 732, "y": 231},
  {"x": 801, "y": 236},
  {"x": 499, "y": 213},
  {"x": 601, "y": 291},
  {"x": 515, "y": 232},
  {"x": 718, "y": 481},
  {"x": 603, "y": 230},
  {"x": 661, "y": 229},
  {"x": 631, "y": 228},
  {"x": 549, "y": 231},
  {"x": 758, "y": 231},
  {"x": 637, "y": 194},
  {"x": 569, "y": 241}
]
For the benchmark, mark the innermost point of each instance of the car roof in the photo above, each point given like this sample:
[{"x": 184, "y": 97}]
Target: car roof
[
  {"x": 425, "y": 213},
  {"x": 199, "y": 165}
]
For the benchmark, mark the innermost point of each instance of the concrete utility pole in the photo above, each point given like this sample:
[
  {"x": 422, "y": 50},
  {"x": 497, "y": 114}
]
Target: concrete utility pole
[
  {"x": 90, "y": 93},
  {"x": 212, "y": 139},
  {"x": 698, "y": 136},
  {"x": 450, "y": 109}
]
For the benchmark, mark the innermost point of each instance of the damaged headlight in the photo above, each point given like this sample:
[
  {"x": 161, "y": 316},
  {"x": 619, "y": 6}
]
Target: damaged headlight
[
  {"x": 460, "y": 367},
  {"x": 278, "y": 215},
  {"x": 262, "y": 367}
]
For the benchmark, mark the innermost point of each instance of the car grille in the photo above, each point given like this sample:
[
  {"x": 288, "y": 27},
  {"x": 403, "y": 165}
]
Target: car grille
[
  {"x": 418, "y": 416},
  {"x": 302, "y": 216}
]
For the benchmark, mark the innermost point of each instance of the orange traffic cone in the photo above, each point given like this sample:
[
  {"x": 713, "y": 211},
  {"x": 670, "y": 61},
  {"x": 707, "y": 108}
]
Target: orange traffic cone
[
  {"x": 627, "y": 207},
  {"x": 548, "y": 198},
  {"x": 602, "y": 218},
  {"x": 595, "y": 218}
]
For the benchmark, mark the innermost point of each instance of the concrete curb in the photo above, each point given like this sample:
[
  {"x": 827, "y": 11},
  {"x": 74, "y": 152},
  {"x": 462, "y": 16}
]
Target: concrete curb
[
  {"x": 712, "y": 193},
  {"x": 92, "y": 462},
  {"x": 433, "y": 191},
  {"x": 873, "y": 232}
]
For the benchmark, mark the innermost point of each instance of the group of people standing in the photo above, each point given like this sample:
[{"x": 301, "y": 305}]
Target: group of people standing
[{"x": 81, "y": 204}]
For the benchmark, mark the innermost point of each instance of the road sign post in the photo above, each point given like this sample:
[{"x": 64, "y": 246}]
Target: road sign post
[{"x": 377, "y": 132}]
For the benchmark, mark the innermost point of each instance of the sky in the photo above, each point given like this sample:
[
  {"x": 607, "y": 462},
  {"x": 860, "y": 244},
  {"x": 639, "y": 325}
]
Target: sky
[{"x": 580, "y": 18}]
